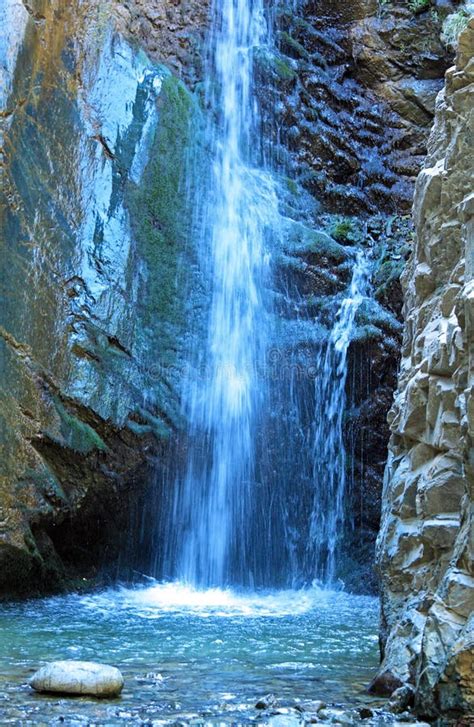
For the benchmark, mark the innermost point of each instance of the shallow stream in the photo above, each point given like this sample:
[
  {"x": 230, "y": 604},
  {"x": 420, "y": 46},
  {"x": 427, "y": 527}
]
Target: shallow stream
[{"x": 204, "y": 657}]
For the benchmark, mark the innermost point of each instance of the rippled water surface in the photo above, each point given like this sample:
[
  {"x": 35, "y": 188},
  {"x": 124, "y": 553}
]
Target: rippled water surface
[{"x": 206, "y": 656}]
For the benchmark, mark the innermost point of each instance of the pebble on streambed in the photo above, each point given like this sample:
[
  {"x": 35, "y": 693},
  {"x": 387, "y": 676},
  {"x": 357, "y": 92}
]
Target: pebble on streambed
[{"x": 84, "y": 678}]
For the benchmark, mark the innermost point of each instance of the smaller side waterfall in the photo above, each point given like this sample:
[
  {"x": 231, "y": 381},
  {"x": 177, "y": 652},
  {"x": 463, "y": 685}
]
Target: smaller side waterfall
[{"x": 328, "y": 450}]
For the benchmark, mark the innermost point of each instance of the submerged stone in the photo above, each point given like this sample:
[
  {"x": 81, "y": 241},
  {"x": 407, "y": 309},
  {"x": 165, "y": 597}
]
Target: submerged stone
[
  {"x": 269, "y": 700},
  {"x": 285, "y": 720},
  {"x": 78, "y": 677},
  {"x": 314, "y": 706}
]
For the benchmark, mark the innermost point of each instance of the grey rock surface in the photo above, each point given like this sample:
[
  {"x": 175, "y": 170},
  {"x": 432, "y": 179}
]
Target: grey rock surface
[
  {"x": 88, "y": 287},
  {"x": 78, "y": 677},
  {"x": 425, "y": 551}
]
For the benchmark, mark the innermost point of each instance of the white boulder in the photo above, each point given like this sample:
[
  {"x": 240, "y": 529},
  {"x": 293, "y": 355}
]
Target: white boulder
[{"x": 78, "y": 677}]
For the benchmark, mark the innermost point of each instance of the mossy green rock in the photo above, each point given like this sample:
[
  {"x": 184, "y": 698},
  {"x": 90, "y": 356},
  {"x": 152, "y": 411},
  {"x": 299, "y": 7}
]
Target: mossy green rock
[{"x": 92, "y": 301}]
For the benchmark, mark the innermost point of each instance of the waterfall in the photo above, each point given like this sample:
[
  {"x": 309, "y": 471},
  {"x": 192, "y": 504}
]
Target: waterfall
[
  {"x": 214, "y": 496},
  {"x": 328, "y": 451},
  {"x": 302, "y": 524},
  {"x": 259, "y": 500}
]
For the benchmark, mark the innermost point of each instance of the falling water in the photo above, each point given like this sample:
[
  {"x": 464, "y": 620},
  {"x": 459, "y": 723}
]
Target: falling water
[
  {"x": 253, "y": 485},
  {"x": 301, "y": 525},
  {"x": 328, "y": 451},
  {"x": 213, "y": 498}
]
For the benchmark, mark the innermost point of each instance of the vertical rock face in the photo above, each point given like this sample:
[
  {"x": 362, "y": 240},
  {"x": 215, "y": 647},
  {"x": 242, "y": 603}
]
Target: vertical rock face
[
  {"x": 352, "y": 89},
  {"x": 91, "y": 311},
  {"x": 425, "y": 546}
]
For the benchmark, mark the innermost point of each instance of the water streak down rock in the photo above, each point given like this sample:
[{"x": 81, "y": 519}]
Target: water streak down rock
[
  {"x": 212, "y": 502},
  {"x": 425, "y": 545}
]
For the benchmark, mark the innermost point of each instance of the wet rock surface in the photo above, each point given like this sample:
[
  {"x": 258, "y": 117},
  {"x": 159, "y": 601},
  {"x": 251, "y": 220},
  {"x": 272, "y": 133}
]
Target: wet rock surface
[
  {"x": 356, "y": 102},
  {"x": 84, "y": 266},
  {"x": 425, "y": 543},
  {"x": 354, "y": 91},
  {"x": 314, "y": 270}
]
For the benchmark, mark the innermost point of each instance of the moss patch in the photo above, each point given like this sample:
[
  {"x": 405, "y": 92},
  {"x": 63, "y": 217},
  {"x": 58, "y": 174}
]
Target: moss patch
[
  {"x": 292, "y": 47},
  {"x": 388, "y": 272},
  {"x": 302, "y": 240},
  {"x": 78, "y": 435},
  {"x": 342, "y": 230},
  {"x": 275, "y": 66},
  {"x": 283, "y": 69},
  {"x": 160, "y": 219},
  {"x": 418, "y": 6}
]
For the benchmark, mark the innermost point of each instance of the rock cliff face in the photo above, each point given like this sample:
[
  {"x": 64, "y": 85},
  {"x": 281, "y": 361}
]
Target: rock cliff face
[
  {"x": 352, "y": 91},
  {"x": 95, "y": 272},
  {"x": 373, "y": 73},
  {"x": 425, "y": 547},
  {"x": 92, "y": 315}
]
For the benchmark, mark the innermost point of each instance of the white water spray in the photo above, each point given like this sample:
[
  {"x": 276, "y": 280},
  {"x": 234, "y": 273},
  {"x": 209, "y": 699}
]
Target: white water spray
[
  {"x": 329, "y": 453},
  {"x": 244, "y": 512},
  {"x": 213, "y": 500}
]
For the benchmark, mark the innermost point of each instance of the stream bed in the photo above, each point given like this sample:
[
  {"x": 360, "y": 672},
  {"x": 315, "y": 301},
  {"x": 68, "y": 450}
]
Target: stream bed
[{"x": 205, "y": 657}]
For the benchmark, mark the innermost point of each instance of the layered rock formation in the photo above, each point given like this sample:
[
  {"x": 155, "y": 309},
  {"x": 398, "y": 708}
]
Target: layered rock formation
[
  {"x": 359, "y": 86},
  {"x": 351, "y": 91},
  {"x": 425, "y": 546}
]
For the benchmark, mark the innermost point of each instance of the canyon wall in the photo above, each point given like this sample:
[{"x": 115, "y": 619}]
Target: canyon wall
[
  {"x": 98, "y": 282},
  {"x": 425, "y": 546},
  {"x": 92, "y": 314},
  {"x": 351, "y": 92}
]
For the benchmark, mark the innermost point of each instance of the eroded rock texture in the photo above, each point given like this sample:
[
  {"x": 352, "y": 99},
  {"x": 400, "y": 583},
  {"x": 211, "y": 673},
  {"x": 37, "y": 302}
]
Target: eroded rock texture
[
  {"x": 359, "y": 86},
  {"x": 168, "y": 30},
  {"x": 425, "y": 547}
]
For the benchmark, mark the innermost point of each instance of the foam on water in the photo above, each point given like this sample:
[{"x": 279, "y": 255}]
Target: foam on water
[
  {"x": 186, "y": 653},
  {"x": 181, "y": 598}
]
